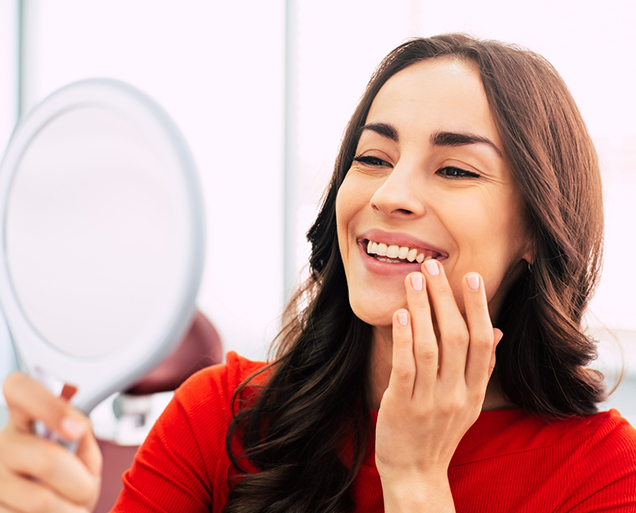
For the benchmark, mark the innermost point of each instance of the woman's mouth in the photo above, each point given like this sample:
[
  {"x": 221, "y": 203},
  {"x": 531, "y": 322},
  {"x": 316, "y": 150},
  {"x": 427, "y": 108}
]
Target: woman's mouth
[{"x": 394, "y": 254}]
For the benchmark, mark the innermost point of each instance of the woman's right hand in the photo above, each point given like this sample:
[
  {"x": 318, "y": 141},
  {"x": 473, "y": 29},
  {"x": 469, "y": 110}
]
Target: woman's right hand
[
  {"x": 442, "y": 362},
  {"x": 38, "y": 475}
]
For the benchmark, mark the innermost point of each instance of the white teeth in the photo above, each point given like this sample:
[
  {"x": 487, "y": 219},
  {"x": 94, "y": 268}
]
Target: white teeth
[{"x": 394, "y": 253}]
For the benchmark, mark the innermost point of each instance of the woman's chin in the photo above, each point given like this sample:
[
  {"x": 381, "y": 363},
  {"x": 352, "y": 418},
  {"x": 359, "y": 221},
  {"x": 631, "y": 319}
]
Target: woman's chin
[{"x": 375, "y": 313}]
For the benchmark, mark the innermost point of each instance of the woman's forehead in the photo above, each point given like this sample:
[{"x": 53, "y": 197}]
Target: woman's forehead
[{"x": 442, "y": 94}]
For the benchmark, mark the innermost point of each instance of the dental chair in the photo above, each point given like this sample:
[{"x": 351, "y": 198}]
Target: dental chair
[{"x": 133, "y": 409}]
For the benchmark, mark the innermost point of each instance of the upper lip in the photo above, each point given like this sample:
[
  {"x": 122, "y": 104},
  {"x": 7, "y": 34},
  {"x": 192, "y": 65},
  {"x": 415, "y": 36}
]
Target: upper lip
[{"x": 399, "y": 239}]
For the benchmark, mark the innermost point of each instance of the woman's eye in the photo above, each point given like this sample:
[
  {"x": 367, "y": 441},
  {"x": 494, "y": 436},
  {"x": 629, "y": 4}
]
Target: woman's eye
[
  {"x": 371, "y": 161},
  {"x": 455, "y": 172}
]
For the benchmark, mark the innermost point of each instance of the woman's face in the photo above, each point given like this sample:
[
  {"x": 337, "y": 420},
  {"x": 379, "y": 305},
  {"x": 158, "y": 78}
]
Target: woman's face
[{"x": 429, "y": 179}]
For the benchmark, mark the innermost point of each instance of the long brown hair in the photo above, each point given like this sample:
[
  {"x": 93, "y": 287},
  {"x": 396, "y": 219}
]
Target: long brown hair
[{"x": 293, "y": 432}]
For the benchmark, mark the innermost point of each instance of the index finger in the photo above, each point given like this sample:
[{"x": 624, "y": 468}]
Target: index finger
[{"x": 29, "y": 401}]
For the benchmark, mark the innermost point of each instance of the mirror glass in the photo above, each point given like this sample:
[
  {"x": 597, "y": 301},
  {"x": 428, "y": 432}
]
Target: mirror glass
[{"x": 89, "y": 217}]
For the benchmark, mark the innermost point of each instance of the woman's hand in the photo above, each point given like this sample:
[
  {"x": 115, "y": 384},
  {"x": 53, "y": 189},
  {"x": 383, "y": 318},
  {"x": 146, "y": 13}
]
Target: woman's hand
[
  {"x": 37, "y": 474},
  {"x": 437, "y": 387}
]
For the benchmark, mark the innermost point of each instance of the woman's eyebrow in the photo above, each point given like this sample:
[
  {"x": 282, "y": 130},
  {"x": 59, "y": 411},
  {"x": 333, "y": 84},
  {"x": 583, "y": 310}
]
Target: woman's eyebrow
[
  {"x": 384, "y": 129},
  {"x": 460, "y": 139},
  {"x": 440, "y": 138}
]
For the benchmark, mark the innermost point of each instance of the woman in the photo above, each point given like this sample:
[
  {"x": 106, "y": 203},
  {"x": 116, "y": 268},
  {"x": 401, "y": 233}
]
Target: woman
[{"x": 466, "y": 194}]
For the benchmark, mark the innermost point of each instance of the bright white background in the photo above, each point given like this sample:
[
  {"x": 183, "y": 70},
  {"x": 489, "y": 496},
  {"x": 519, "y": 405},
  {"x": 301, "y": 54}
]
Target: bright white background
[{"x": 219, "y": 69}]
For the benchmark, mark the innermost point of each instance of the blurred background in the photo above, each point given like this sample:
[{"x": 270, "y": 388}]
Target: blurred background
[{"x": 262, "y": 91}]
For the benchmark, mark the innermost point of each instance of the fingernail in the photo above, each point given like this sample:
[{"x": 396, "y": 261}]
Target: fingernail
[
  {"x": 473, "y": 281},
  {"x": 72, "y": 428},
  {"x": 416, "y": 281},
  {"x": 403, "y": 318},
  {"x": 432, "y": 266},
  {"x": 68, "y": 391}
]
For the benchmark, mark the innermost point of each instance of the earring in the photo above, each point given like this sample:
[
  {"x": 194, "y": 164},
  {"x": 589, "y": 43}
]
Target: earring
[{"x": 529, "y": 267}]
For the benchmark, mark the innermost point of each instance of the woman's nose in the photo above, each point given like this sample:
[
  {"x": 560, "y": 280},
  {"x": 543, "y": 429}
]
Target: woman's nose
[{"x": 401, "y": 194}]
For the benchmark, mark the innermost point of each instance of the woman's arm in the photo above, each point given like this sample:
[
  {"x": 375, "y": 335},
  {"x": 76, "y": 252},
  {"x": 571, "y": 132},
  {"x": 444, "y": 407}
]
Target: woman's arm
[
  {"x": 37, "y": 474},
  {"x": 438, "y": 382}
]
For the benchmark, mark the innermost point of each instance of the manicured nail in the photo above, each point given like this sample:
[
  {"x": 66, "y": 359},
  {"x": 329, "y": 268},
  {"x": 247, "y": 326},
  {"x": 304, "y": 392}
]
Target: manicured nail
[
  {"x": 68, "y": 391},
  {"x": 403, "y": 318},
  {"x": 473, "y": 281},
  {"x": 432, "y": 266},
  {"x": 416, "y": 281},
  {"x": 72, "y": 428}
]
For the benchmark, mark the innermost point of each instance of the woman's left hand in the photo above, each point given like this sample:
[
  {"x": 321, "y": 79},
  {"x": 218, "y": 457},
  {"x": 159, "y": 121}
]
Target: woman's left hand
[{"x": 440, "y": 372}]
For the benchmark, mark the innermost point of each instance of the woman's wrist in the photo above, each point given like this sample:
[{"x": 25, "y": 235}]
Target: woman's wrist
[{"x": 418, "y": 493}]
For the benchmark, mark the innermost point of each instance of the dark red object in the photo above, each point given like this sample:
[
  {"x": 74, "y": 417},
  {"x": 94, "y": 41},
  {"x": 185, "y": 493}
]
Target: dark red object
[{"x": 200, "y": 348}]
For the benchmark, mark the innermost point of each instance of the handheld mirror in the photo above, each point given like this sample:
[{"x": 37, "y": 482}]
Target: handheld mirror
[{"x": 102, "y": 239}]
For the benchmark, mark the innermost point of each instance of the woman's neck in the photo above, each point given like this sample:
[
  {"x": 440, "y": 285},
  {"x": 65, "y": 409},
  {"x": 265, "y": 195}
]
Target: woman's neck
[{"x": 380, "y": 373}]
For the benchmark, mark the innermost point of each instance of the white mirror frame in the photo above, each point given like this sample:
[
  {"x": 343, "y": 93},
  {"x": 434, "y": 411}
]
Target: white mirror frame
[{"x": 97, "y": 378}]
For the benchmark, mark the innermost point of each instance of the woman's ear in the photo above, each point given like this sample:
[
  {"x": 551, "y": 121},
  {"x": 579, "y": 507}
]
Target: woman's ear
[
  {"x": 528, "y": 249},
  {"x": 528, "y": 253}
]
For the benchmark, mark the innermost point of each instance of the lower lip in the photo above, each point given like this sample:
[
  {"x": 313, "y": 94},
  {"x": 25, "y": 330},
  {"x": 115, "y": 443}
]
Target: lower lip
[{"x": 385, "y": 268}]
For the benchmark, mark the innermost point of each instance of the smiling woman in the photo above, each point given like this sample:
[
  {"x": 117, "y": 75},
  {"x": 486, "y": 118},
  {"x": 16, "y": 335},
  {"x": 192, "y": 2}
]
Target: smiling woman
[
  {"x": 472, "y": 153},
  {"x": 435, "y": 359},
  {"x": 428, "y": 174}
]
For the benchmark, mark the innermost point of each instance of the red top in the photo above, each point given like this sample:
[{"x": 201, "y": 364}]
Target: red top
[{"x": 507, "y": 461}]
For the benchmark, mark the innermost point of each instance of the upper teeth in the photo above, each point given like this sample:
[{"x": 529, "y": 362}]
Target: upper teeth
[{"x": 395, "y": 251}]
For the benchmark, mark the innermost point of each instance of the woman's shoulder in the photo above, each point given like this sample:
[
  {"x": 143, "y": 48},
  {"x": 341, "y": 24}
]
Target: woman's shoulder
[
  {"x": 229, "y": 374},
  {"x": 600, "y": 428},
  {"x": 611, "y": 443},
  {"x": 215, "y": 385},
  {"x": 607, "y": 430},
  {"x": 500, "y": 432},
  {"x": 611, "y": 427},
  {"x": 604, "y": 473},
  {"x": 572, "y": 464}
]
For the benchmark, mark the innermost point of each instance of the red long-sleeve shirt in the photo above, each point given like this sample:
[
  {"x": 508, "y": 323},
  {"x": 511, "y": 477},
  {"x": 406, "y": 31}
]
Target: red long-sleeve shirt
[{"x": 507, "y": 461}]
